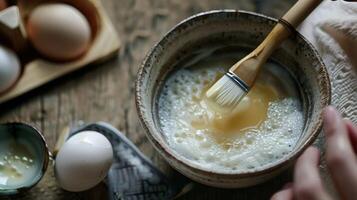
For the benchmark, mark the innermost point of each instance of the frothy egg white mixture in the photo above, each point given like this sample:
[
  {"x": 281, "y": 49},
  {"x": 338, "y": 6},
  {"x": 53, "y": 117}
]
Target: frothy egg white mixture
[{"x": 265, "y": 126}]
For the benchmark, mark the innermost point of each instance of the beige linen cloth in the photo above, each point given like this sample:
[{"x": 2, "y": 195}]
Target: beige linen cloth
[{"x": 332, "y": 29}]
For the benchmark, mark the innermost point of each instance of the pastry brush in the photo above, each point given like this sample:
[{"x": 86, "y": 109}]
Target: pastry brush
[{"x": 227, "y": 92}]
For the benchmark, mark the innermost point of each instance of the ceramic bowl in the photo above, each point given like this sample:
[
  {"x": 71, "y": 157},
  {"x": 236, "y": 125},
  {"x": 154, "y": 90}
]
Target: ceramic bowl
[
  {"x": 26, "y": 134},
  {"x": 243, "y": 30}
]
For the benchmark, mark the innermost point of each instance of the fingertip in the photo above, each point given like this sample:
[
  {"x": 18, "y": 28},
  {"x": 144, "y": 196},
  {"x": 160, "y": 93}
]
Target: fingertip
[
  {"x": 313, "y": 150},
  {"x": 332, "y": 121},
  {"x": 285, "y": 194},
  {"x": 352, "y": 132},
  {"x": 330, "y": 115},
  {"x": 350, "y": 126},
  {"x": 330, "y": 108},
  {"x": 311, "y": 153}
]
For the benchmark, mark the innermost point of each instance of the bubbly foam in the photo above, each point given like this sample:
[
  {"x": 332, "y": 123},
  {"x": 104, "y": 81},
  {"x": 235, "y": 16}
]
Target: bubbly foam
[{"x": 186, "y": 121}]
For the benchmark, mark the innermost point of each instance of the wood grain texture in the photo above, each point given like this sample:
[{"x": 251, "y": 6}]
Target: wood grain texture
[{"x": 105, "y": 92}]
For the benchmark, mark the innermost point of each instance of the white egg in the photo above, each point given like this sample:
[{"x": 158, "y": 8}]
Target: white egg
[
  {"x": 10, "y": 68},
  {"x": 83, "y": 161}
]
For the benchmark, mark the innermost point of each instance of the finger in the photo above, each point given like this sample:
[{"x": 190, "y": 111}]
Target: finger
[
  {"x": 307, "y": 182},
  {"x": 352, "y": 132},
  {"x": 285, "y": 194},
  {"x": 340, "y": 157}
]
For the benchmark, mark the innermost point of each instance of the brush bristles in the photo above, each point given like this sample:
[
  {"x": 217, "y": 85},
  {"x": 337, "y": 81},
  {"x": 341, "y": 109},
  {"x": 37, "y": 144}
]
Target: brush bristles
[{"x": 225, "y": 94}]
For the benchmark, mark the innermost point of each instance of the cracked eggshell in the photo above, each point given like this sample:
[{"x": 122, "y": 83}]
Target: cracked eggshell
[
  {"x": 83, "y": 161},
  {"x": 10, "y": 68}
]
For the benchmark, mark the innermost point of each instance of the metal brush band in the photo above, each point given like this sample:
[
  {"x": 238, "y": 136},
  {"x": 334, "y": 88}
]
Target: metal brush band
[
  {"x": 287, "y": 25},
  {"x": 238, "y": 81}
]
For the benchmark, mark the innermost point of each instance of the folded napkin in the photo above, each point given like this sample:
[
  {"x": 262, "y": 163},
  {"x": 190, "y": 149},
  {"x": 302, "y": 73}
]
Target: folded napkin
[
  {"x": 132, "y": 175},
  {"x": 332, "y": 29}
]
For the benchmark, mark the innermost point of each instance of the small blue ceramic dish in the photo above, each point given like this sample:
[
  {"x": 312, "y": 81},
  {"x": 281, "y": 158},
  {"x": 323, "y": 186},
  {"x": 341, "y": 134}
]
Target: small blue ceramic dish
[{"x": 24, "y": 157}]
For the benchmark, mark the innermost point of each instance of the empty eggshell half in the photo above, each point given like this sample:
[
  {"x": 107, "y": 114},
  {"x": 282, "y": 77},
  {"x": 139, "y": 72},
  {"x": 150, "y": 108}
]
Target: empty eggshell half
[
  {"x": 59, "y": 31},
  {"x": 83, "y": 161},
  {"x": 10, "y": 68}
]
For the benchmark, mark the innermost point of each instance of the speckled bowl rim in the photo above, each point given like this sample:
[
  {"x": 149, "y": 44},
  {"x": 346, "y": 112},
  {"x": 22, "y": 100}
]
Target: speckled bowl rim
[
  {"x": 168, "y": 153},
  {"x": 46, "y": 160}
]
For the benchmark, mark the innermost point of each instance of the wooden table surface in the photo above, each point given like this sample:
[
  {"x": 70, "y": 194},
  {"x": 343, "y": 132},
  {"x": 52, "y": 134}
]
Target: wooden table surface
[{"x": 105, "y": 92}]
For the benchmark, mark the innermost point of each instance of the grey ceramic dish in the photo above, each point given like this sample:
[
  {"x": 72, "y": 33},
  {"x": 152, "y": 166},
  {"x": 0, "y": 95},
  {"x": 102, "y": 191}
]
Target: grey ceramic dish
[
  {"x": 227, "y": 28},
  {"x": 32, "y": 136}
]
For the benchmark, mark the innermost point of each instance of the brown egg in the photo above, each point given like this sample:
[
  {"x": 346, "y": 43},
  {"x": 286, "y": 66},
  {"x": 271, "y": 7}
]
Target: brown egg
[
  {"x": 59, "y": 31},
  {"x": 3, "y": 4}
]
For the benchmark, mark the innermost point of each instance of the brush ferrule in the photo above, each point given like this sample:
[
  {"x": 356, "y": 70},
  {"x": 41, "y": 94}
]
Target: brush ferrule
[{"x": 238, "y": 81}]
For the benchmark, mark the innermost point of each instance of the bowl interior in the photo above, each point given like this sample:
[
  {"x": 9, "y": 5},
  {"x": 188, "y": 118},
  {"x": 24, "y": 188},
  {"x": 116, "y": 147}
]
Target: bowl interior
[
  {"x": 227, "y": 31},
  {"x": 34, "y": 144}
]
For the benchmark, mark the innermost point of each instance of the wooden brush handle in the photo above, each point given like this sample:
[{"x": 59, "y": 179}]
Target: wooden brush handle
[
  {"x": 248, "y": 67},
  {"x": 300, "y": 10}
]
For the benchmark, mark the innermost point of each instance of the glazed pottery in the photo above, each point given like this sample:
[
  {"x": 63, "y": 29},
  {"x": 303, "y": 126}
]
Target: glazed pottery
[
  {"x": 25, "y": 132},
  {"x": 238, "y": 29}
]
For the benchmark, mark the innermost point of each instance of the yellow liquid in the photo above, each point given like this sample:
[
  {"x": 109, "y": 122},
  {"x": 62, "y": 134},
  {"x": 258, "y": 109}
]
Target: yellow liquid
[
  {"x": 250, "y": 113},
  {"x": 264, "y": 126}
]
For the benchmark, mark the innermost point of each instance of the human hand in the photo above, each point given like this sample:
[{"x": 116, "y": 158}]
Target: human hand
[{"x": 341, "y": 149}]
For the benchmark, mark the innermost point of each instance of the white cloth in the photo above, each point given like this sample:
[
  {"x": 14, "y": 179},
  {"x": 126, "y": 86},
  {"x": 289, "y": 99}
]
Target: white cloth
[{"x": 332, "y": 29}]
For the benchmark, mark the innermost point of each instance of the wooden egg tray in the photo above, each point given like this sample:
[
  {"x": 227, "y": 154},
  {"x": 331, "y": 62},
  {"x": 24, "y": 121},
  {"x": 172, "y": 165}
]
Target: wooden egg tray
[{"x": 37, "y": 70}]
